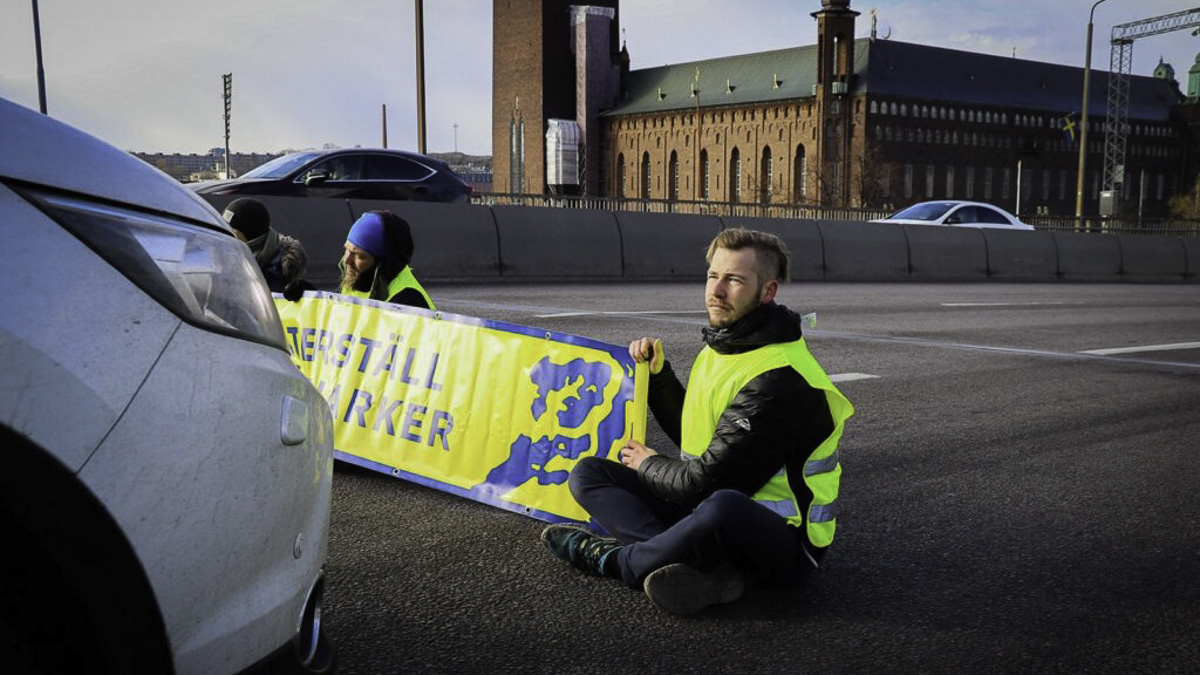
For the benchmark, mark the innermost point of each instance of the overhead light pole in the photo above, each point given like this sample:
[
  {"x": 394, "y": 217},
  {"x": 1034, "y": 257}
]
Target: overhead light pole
[
  {"x": 1083, "y": 120},
  {"x": 41, "y": 72},
  {"x": 420, "y": 76}
]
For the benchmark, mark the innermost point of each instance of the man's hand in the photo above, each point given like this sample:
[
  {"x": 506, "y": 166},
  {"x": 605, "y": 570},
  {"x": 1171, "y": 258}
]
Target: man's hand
[
  {"x": 648, "y": 349},
  {"x": 634, "y": 453}
]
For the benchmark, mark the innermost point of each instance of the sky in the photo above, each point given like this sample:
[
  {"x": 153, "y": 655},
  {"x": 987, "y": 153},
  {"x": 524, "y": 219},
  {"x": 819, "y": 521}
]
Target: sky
[{"x": 146, "y": 75}]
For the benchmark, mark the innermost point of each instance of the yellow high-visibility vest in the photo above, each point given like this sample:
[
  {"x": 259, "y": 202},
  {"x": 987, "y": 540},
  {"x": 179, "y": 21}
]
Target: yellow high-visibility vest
[
  {"x": 715, "y": 380},
  {"x": 406, "y": 279}
]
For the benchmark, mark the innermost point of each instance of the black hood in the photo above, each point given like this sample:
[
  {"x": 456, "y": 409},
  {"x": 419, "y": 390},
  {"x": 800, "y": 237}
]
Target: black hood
[{"x": 766, "y": 324}]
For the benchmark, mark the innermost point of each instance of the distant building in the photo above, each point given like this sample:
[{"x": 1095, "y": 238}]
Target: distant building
[
  {"x": 846, "y": 122},
  {"x": 192, "y": 166}
]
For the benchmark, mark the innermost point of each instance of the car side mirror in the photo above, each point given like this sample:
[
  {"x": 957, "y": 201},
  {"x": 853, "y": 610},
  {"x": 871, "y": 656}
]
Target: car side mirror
[{"x": 316, "y": 178}]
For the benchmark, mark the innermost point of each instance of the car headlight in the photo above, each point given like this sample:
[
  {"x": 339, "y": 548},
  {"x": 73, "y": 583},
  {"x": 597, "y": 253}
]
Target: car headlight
[{"x": 206, "y": 277}]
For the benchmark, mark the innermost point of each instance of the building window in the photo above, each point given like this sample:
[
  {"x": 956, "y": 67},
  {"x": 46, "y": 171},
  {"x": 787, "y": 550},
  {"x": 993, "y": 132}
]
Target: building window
[
  {"x": 622, "y": 190},
  {"x": 1006, "y": 184},
  {"x": 988, "y": 177},
  {"x": 950, "y": 182},
  {"x": 800, "y": 175},
  {"x": 1062, "y": 184},
  {"x": 516, "y": 156},
  {"x": 735, "y": 176},
  {"x": 1045, "y": 184},
  {"x": 930, "y": 176},
  {"x": 766, "y": 176},
  {"x": 645, "y": 190},
  {"x": 673, "y": 177},
  {"x": 704, "y": 182},
  {"x": 908, "y": 181}
]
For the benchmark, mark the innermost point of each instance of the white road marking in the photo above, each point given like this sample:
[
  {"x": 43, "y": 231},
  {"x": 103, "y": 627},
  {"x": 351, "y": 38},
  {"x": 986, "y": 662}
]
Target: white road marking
[
  {"x": 1008, "y": 304},
  {"x": 1143, "y": 348},
  {"x": 851, "y": 377},
  {"x": 559, "y": 315}
]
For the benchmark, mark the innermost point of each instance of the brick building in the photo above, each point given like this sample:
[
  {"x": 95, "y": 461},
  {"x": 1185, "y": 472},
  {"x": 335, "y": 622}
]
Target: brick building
[{"x": 846, "y": 122}]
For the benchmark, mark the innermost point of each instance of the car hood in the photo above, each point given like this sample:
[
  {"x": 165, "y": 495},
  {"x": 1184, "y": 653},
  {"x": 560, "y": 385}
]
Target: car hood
[{"x": 42, "y": 150}]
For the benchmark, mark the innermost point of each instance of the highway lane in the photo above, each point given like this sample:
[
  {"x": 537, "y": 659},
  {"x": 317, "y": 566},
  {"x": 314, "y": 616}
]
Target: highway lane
[{"x": 1018, "y": 497}]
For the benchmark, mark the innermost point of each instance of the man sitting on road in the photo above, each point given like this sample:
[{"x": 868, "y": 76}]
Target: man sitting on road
[
  {"x": 754, "y": 492},
  {"x": 379, "y": 248}
]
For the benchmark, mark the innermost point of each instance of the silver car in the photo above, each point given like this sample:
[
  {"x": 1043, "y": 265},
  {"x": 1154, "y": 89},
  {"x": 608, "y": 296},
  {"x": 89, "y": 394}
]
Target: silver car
[
  {"x": 164, "y": 502},
  {"x": 956, "y": 214}
]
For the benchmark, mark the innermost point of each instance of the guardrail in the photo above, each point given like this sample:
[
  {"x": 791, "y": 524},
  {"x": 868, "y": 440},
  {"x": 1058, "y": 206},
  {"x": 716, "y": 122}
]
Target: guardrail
[{"x": 1092, "y": 224}]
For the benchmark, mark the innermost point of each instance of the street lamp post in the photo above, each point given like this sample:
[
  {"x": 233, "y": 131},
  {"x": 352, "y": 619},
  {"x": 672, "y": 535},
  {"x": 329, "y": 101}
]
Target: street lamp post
[
  {"x": 420, "y": 21},
  {"x": 41, "y": 72},
  {"x": 1083, "y": 120}
]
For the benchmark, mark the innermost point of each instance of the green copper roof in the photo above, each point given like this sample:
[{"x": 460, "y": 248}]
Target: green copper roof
[{"x": 887, "y": 68}]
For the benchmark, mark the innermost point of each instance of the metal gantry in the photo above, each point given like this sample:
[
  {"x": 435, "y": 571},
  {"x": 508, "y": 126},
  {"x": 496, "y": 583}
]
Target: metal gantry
[{"x": 1116, "y": 124}]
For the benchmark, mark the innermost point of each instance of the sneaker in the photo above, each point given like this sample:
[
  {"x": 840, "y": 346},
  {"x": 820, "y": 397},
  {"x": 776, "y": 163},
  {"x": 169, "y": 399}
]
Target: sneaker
[
  {"x": 683, "y": 589},
  {"x": 584, "y": 550}
]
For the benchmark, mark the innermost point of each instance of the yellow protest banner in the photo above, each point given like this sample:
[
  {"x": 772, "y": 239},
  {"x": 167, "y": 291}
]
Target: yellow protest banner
[{"x": 494, "y": 412}]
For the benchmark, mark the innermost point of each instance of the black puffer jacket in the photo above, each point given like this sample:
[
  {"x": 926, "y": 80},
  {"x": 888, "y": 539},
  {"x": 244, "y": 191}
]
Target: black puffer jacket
[{"x": 788, "y": 420}]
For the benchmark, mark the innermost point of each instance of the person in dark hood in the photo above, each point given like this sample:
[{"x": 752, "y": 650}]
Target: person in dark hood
[
  {"x": 753, "y": 494},
  {"x": 379, "y": 248},
  {"x": 281, "y": 258}
]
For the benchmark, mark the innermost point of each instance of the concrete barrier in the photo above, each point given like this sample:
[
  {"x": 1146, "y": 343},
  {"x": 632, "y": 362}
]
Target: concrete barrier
[
  {"x": 547, "y": 242},
  {"x": 1191, "y": 248},
  {"x": 940, "y": 253},
  {"x": 665, "y": 246},
  {"x": 1088, "y": 257},
  {"x": 857, "y": 251},
  {"x": 319, "y": 224},
  {"x": 1015, "y": 255},
  {"x": 1152, "y": 258},
  {"x": 803, "y": 239},
  {"x": 450, "y": 241}
]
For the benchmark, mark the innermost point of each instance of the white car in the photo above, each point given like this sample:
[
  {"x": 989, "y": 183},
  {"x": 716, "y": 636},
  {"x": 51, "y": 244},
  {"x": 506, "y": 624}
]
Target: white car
[
  {"x": 957, "y": 214},
  {"x": 165, "y": 496}
]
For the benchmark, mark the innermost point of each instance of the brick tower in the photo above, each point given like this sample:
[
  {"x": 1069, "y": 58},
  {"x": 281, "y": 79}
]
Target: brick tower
[
  {"x": 835, "y": 73},
  {"x": 534, "y": 79}
]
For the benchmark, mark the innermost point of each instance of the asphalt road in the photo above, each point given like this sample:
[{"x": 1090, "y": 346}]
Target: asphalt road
[{"x": 1010, "y": 503}]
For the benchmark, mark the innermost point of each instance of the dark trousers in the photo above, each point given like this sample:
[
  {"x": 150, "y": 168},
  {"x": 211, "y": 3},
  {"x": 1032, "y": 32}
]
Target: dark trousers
[{"x": 726, "y": 527}]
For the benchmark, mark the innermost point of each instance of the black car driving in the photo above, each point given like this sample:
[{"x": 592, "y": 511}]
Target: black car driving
[{"x": 355, "y": 173}]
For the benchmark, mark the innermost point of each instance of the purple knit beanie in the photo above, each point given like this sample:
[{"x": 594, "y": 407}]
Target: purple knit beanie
[{"x": 367, "y": 234}]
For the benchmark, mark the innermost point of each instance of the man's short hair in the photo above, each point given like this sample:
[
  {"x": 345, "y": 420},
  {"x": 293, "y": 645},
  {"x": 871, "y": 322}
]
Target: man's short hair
[{"x": 770, "y": 251}]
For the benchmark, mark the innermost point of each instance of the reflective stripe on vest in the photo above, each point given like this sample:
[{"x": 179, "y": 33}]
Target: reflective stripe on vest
[{"x": 714, "y": 382}]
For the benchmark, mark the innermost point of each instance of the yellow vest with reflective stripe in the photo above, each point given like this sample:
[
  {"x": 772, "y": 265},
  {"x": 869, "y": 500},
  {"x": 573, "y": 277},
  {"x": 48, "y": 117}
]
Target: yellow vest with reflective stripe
[
  {"x": 406, "y": 279},
  {"x": 716, "y": 379}
]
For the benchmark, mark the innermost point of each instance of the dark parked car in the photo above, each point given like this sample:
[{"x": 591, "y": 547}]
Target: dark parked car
[{"x": 349, "y": 173}]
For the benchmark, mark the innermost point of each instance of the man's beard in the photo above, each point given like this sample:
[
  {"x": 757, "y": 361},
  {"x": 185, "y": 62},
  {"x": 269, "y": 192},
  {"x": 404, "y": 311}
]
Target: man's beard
[{"x": 356, "y": 280}]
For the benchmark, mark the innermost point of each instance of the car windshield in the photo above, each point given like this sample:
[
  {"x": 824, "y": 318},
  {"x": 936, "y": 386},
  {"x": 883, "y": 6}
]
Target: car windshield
[
  {"x": 280, "y": 166},
  {"x": 925, "y": 211}
]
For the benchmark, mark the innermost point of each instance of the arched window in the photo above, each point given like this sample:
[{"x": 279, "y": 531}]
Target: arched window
[
  {"x": 622, "y": 190},
  {"x": 516, "y": 156},
  {"x": 735, "y": 176},
  {"x": 645, "y": 190},
  {"x": 800, "y": 175},
  {"x": 673, "y": 177},
  {"x": 766, "y": 175}
]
